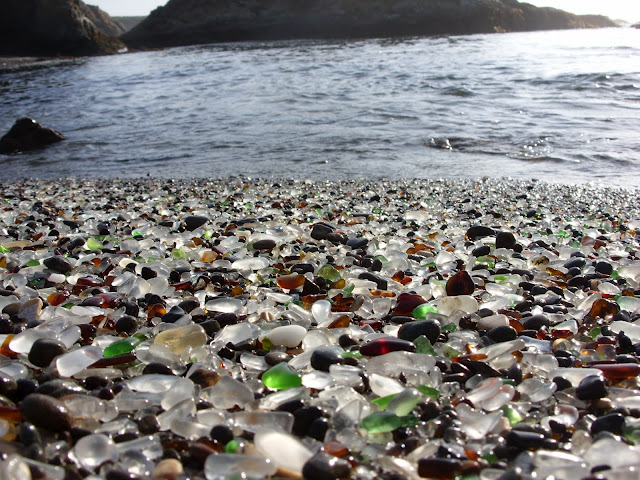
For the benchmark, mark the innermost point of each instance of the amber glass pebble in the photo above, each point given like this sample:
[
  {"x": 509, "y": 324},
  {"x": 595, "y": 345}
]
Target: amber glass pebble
[
  {"x": 290, "y": 282},
  {"x": 341, "y": 322},
  {"x": 460, "y": 284},
  {"x": 406, "y": 304},
  {"x": 335, "y": 449},
  {"x": 57, "y": 298},
  {"x": 156, "y": 310},
  {"x": 4, "y": 348},
  {"x": 10, "y": 414},
  {"x": 380, "y": 346},
  {"x": 603, "y": 308}
]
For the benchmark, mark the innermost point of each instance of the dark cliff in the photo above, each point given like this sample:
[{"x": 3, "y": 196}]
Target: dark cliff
[
  {"x": 184, "y": 22},
  {"x": 56, "y": 27}
]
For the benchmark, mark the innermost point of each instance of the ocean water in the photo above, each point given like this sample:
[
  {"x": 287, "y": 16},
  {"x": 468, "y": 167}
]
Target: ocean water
[{"x": 561, "y": 106}]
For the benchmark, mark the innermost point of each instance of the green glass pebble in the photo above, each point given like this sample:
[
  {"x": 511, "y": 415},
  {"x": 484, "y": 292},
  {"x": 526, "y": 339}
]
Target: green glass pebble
[
  {"x": 33, "y": 263},
  {"x": 177, "y": 253},
  {"x": 318, "y": 212},
  {"x": 281, "y": 377},
  {"x": 94, "y": 244},
  {"x": 382, "y": 402},
  {"x": 423, "y": 345},
  {"x": 512, "y": 415},
  {"x": 328, "y": 272},
  {"x": 351, "y": 355},
  {"x": 404, "y": 402},
  {"x": 420, "y": 312},
  {"x": 595, "y": 332},
  {"x": 4, "y": 250},
  {"x": 232, "y": 446},
  {"x": 208, "y": 234},
  {"x": 380, "y": 422},
  {"x": 427, "y": 391},
  {"x": 450, "y": 327},
  {"x": 348, "y": 290},
  {"x": 126, "y": 345}
]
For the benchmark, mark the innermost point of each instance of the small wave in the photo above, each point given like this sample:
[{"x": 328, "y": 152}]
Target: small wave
[{"x": 458, "y": 92}]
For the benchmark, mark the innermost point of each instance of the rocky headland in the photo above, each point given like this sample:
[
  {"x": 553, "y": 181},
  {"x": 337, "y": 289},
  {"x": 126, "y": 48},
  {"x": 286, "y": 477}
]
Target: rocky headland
[
  {"x": 60, "y": 28},
  {"x": 185, "y": 22}
]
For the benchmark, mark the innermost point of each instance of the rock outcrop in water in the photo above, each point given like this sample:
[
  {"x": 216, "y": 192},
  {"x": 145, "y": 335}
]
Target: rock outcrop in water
[
  {"x": 55, "y": 28},
  {"x": 184, "y": 22},
  {"x": 27, "y": 134}
]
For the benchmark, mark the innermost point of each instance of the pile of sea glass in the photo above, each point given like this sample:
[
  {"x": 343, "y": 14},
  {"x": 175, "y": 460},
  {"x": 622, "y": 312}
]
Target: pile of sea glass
[{"x": 241, "y": 328}]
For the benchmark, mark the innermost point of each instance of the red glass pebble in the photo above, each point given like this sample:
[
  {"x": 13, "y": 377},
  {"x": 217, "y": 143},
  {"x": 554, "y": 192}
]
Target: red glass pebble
[
  {"x": 619, "y": 371},
  {"x": 380, "y": 346},
  {"x": 406, "y": 304},
  {"x": 460, "y": 284}
]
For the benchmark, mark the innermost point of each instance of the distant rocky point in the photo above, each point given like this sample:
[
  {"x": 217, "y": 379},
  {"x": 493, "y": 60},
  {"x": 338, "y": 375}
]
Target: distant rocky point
[
  {"x": 185, "y": 22},
  {"x": 129, "y": 22},
  {"x": 56, "y": 28}
]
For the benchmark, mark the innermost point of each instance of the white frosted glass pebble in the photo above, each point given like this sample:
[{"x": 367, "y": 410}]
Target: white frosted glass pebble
[
  {"x": 69, "y": 336},
  {"x": 93, "y": 450},
  {"x": 448, "y": 305},
  {"x": 321, "y": 310},
  {"x": 557, "y": 464},
  {"x": 284, "y": 450},
  {"x": 224, "y": 305},
  {"x": 608, "y": 451},
  {"x": 631, "y": 330},
  {"x": 492, "y": 321},
  {"x": 253, "y": 263},
  {"x": 149, "y": 445},
  {"x": 189, "y": 429},
  {"x": 224, "y": 466},
  {"x": 287, "y": 335},
  {"x": 86, "y": 406},
  {"x": 393, "y": 364},
  {"x": 317, "y": 380},
  {"x": 180, "y": 390},
  {"x": 76, "y": 361},
  {"x": 153, "y": 383},
  {"x": 475, "y": 423},
  {"x": 383, "y": 386},
  {"x": 14, "y": 468},
  {"x": 22, "y": 342},
  {"x": 237, "y": 333},
  {"x": 484, "y": 390},
  {"x": 314, "y": 339},
  {"x": 256, "y": 421},
  {"x": 228, "y": 393}
]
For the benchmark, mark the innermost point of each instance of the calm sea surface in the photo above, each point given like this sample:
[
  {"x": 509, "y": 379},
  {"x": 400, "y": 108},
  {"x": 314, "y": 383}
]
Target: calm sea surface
[{"x": 559, "y": 106}]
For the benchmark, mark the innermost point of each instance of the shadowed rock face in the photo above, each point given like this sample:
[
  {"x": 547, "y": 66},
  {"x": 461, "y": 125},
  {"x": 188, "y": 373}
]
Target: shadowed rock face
[
  {"x": 60, "y": 27},
  {"x": 27, "y": 134},
  {"x": 183, "y": 22}
]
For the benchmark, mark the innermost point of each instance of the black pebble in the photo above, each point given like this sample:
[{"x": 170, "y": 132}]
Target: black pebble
[
  {"x": 323, "y": 358},
  {"x": 503, "y": 333},
  {"x": 535, "y": 322},
  {"x": 592, "y": 387},
  {"x": 46, "y": 412},
  {"x": 411, "y": 330},
  {"x": 194, "y": 221},
  {"x": 613, "y": 423},
  {"x": 8, "y": 385},
  {"x": 505, "y": 240},
  {"x": 604, "y": 267},
  {"x": 127, "y": 324},
  {"x": 58, "y": 264},
  {"x": 479, "y": 231},
  {"x": 325, "y": 467},
  {"x": 44, "y": 350}
]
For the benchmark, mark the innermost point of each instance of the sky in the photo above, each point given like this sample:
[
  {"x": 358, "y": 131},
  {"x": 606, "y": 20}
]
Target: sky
[{"x": 616, "y": 9}]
